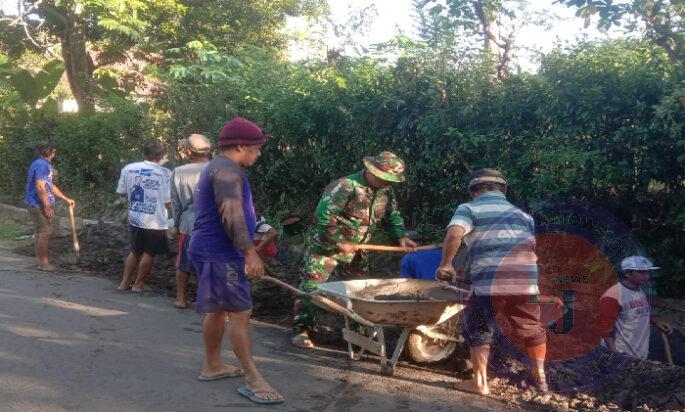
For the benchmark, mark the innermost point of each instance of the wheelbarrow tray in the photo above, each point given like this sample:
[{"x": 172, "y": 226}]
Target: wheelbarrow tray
[{"x": 397, "y": 302}]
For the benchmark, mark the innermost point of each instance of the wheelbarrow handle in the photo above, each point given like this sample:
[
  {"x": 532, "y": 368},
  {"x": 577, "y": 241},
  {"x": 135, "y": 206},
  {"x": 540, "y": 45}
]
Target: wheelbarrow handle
[
  {"x": 284, "y": 285},
  {"x": 454, "y": 288},
  {"x": 319, "y": 301}
]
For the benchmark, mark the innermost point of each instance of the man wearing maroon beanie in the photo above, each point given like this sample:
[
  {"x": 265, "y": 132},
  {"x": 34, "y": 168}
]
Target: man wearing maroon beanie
[{"x": 224, "y": 255}]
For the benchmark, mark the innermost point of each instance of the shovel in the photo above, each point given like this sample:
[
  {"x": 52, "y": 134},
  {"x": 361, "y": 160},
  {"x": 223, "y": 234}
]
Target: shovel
[
  {"x": 77, "y": 247},
  {"x": 383, "y": 248}
]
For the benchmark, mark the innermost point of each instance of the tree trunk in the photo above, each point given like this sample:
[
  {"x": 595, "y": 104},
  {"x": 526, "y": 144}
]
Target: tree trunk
[
  {"x": 77, "y": 62},
  {"x": 492, "y": 40}
]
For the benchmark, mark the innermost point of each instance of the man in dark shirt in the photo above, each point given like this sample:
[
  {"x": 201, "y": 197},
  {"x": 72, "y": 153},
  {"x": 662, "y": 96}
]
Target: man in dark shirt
[{"x": 224, "y": 256}]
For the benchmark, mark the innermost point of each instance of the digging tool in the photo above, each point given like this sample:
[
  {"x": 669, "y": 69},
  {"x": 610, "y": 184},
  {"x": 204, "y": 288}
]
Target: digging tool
[
  {"x": 77, "y": 247},
  {"x": 383, "y": 248},
  {"x": 454, "y": 288},
  {"x": 667, "y": 347},
  {"x": 318, "y": 300},
  {"x": 665, "y": 330}
]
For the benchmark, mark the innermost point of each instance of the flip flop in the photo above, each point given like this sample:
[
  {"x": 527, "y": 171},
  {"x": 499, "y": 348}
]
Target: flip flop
[
  {"x": 220, "y": 376},
  {"x": 302, "y": 341},
  {"x": 253, "y": 396},
  {"x": 47, "y": 268}
]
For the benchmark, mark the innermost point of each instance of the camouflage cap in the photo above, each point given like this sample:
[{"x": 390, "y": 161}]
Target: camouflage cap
[{"x": 386, "y": 166}]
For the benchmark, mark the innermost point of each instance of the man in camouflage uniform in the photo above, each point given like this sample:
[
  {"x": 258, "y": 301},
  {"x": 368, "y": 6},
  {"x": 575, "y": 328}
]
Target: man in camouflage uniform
[{"x": 348, "y": 214}]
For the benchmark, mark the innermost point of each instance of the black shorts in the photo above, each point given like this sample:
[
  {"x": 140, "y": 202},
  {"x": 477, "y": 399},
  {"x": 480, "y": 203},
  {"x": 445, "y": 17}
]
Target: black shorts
[{"x": 150, "y": 241}]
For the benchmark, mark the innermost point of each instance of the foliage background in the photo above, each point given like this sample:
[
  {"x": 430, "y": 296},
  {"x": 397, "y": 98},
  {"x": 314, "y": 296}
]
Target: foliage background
[{"x": 599, "y": 122}]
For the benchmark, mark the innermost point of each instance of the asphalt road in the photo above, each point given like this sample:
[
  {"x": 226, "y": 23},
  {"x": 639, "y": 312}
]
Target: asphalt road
[{"x": 71, "y": 343}]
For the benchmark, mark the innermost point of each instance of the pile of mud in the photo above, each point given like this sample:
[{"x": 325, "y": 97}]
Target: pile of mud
[{"x": 604, "y": 381}]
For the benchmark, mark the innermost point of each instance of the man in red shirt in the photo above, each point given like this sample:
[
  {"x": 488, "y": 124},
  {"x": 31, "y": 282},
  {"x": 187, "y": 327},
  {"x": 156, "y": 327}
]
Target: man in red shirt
[{"x": 625, "y": 313}]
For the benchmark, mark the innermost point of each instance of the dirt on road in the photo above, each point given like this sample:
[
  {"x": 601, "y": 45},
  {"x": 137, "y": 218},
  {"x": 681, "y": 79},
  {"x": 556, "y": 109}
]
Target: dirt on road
[{"x": 602, "y": 382}]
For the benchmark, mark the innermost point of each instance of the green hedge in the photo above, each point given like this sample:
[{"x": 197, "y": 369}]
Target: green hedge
[
  {"x": 91, "y": 151},
  {"x": 601, "y": 123}
]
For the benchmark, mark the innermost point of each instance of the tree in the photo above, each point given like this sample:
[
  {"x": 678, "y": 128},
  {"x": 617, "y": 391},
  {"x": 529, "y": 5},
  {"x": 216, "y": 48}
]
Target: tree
[
  {"x": 492, "y": 20},
  {"x": 233, "y": 25},
  {"x": 80, "y": 27},
  {"x": 33, "y": 87},
  {"x": 96, "y": 33},
  {"x": 663, "y": 21}
]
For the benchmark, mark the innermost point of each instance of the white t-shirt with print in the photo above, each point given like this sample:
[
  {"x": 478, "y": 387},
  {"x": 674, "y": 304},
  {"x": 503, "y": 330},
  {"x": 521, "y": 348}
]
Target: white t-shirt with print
[
  {"x": 631, "y": 330},
  {"x": 261, "y": 229},
  {"x": 147, "y": 187}
]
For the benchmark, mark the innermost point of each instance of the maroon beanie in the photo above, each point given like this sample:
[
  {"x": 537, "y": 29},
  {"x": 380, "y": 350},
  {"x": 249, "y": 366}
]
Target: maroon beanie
[{"x": 241, "y": 131}]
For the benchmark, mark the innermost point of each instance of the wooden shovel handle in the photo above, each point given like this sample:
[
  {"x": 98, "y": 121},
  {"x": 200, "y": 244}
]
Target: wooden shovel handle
[
  {"x": 667, "y": 348},
  {"x": 384, "y": 248},
  {"x": 77, "y": 247}
]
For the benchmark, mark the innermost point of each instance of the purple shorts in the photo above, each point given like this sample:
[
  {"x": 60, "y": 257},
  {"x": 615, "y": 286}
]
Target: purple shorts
[{"x": 222, "y": 287}]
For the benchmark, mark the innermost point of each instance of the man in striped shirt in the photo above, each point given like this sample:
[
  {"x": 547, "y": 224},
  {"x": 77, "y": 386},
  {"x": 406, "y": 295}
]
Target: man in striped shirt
[{"x": 503, "y": 275}]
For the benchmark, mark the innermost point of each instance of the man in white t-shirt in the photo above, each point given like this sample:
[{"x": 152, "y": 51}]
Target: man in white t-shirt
[
  {"x": 146, "y": 186},
  {"x": 265, "y": 238},
  {"x": 624, "y": 310}
]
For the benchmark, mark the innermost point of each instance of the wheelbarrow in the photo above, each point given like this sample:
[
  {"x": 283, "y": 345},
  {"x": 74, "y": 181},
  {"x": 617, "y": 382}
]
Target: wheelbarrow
[{"x": 413, "y": 305}]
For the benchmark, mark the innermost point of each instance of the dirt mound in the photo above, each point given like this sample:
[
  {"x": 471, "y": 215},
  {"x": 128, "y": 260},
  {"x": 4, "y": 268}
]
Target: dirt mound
[
  {"x": 604, "y": 381},
  {"x": 104, "y": 247}
]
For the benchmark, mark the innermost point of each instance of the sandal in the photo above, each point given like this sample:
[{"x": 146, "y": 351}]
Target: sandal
[
  {"x": 237, "y": 373},
  {"x": 301, "y": 340},
  {"x": 254, "y": 396}
]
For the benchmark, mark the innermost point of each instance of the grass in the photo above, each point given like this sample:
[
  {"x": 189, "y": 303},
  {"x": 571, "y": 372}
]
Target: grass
[{"x": 9, "y": 230}]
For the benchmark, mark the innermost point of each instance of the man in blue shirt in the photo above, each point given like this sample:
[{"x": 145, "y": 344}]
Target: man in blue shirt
[
  {"x": 421, "y": 264},
  {"x": 41, "y": 192}
]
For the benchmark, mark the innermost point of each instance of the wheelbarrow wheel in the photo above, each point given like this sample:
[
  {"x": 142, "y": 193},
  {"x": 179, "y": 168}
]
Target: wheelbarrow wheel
[
  {"x": 426, "y": 350},
  {"x": 422, "y": 349}
]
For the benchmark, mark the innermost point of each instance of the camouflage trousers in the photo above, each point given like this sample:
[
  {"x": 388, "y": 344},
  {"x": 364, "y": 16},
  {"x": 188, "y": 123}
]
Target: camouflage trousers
[{"x": 317, "y": 269}]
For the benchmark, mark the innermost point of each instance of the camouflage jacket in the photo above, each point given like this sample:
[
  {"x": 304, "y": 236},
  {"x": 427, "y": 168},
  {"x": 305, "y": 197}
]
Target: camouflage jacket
[{"x": 350, "y": 211}]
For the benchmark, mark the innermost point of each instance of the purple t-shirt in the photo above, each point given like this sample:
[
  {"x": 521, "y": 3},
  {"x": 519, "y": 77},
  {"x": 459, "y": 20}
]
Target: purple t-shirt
[
  {"x": 224, "y": 214},
  {"x": 40, "y": 169}
]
